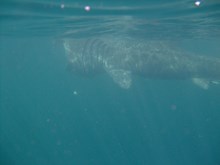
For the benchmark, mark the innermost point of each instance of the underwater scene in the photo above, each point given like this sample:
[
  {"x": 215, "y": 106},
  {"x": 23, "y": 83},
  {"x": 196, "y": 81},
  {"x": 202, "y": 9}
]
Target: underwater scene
[{"x": 98, "y": 82}]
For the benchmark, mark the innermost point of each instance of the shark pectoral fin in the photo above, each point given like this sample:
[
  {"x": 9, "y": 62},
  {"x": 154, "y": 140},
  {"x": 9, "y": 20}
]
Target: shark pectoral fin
[
  {"x": 204, "y": 84},
  {"x": 121, "y": 77}
]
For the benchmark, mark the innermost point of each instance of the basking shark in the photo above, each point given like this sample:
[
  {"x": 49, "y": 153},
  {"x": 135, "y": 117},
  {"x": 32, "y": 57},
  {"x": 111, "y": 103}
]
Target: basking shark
[{"x": 122, "y": 58}]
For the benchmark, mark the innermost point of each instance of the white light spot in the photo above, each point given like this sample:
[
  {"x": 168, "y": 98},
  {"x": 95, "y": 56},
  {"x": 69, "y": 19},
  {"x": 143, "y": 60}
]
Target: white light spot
[
  {"x": 75, "y": 93},
  {"x": 87, "y": 8},
  {"x": 197, "y": 3},
  {"x": 62, "y": 6}
]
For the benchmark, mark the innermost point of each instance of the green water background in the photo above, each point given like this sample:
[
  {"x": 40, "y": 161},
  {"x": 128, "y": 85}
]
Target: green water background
[{"x": 42, "y": 121}]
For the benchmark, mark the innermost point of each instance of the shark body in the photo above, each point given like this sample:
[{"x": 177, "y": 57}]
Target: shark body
[{"x": 123, "y": 57}]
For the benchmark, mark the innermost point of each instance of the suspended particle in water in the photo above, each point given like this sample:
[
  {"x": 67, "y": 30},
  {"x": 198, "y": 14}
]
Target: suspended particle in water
[
  {"x": 87, "y": 8},
  {"x": 75, "y": 92},
  {"x": 173, "y": 107},
  {"x": 48, "y": 120},
  {"x": 197, "y": 3}
]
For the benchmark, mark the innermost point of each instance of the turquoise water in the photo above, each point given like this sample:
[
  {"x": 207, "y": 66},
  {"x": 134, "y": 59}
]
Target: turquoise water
[{"x": 50, "y": 116}]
